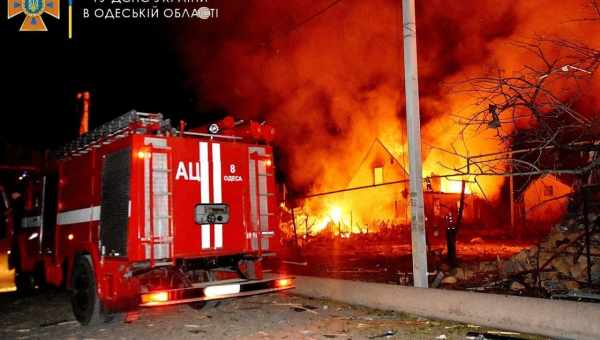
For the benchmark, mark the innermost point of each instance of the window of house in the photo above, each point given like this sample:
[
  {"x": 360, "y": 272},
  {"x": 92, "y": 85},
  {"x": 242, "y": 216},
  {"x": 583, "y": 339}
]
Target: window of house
[
  {"x": 377, "y": 176},
  {"x": 548, "y": 190}
]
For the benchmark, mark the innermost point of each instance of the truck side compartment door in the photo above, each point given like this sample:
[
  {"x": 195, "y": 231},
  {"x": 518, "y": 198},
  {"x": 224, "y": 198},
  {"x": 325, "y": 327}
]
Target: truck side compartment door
[{"x": 49, "y": 211}]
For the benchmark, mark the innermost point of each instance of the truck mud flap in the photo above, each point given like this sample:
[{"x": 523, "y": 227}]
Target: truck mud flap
[{"x": 215, "y": 291}]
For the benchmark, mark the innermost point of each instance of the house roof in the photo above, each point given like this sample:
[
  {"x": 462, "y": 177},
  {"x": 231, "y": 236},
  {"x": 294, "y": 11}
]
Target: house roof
[
  {"x": 372, "y": 148},
  {"x": 561, "y": 179}
]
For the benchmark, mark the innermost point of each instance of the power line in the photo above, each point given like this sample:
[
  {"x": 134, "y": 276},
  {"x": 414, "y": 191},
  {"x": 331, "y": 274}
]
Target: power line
[
  {"x": 298, "y": 25},
  {"x": 314, "y": 16},
  {"x": 354, "y": 188}
]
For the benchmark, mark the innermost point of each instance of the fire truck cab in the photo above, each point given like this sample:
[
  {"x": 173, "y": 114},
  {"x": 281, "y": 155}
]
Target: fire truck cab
[
  {"x": 21, "y": 265},
  {"x": 140, "y": 214}
]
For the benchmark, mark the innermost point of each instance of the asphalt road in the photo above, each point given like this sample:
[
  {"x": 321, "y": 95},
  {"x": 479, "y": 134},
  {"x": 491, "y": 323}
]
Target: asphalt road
[{"x": 276, "y": 316}]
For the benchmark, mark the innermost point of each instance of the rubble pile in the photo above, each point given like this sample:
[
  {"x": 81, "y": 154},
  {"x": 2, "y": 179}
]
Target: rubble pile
[{"x": 557, "y": 264}]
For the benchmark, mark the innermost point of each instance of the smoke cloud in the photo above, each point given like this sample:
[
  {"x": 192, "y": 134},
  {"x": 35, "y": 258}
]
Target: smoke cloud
[{"x": 332, "y": 81}]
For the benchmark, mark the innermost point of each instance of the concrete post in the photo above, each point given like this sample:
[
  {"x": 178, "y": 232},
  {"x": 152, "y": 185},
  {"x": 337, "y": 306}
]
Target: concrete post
[
  {"x": 553, "y": 318},
  {"x": 413, "y": 124}
]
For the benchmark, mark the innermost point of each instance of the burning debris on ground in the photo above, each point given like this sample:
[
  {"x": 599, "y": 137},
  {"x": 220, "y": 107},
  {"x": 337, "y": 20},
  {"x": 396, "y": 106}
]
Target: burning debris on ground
[{"x": 542, "y": 266}]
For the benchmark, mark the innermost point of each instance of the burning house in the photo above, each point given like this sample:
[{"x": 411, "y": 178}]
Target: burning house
[
  {"x": 376, "y": 198},
  {"x": 545, "y": 200},
  {"x": 384, "y": 180}
]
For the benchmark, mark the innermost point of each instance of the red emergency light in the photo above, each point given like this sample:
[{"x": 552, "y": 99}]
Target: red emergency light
[{"x": 155, "y": 298}]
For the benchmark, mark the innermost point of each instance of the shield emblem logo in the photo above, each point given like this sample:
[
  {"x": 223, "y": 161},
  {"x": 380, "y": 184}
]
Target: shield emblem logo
[{"x": 33, "y": 10}]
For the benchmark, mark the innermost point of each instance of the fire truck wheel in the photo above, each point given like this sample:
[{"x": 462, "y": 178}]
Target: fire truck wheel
[
  {"x": 25, "y": 284},
  {"x": 23, "y": 280},
  {"x": 39, "y": 277},
  {"x": 85, "y": 302},
  {"x": 199, "y": 305}
]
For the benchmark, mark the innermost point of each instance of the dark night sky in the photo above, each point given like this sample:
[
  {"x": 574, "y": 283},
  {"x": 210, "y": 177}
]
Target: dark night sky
[{"x": 123, "y": 65}]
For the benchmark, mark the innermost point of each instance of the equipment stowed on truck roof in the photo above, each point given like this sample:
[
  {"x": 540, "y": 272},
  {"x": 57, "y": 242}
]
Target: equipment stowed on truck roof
[{"x": 146, "y": 215}]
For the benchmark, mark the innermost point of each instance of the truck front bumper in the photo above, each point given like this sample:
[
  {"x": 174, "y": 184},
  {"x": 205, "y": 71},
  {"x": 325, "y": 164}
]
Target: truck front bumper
[{"x": 217, "y": 290}]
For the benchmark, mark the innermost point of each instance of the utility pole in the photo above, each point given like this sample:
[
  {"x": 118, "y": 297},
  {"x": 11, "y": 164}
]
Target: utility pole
[{"x": 413, "y": 124}]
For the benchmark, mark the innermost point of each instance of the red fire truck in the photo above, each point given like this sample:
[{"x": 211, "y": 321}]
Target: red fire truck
[{"x": 141, "y": 214}]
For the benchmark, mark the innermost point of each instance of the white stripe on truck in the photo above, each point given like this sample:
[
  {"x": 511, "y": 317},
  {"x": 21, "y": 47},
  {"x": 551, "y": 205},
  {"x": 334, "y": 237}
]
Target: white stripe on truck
[
  {"x": 90, "y": 214},
  {"x": 204, "y": 191},
  {"x": 217, "y": 194},
  {"x": 83, "y": 215}
]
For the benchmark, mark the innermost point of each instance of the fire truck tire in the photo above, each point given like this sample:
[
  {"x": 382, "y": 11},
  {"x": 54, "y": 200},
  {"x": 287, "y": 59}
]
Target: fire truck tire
[
  {"x": 199, "y": 305},
  {"x": 86, "y": 305},
  {"x": 25, "y": 284},
  {"x": 39, "y": 277},
  {"x": 24, "y": 281}
]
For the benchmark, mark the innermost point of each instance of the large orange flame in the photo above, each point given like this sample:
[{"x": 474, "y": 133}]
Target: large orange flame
[{"x": 331, "y": 82}]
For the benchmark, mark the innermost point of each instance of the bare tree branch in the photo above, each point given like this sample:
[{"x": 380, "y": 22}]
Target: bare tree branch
[{"x": 543, "y": 96}]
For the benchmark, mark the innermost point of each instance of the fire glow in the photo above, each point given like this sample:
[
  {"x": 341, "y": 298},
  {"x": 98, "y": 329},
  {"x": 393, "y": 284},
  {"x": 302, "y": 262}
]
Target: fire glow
[
  {"x": 341, "y": 217},
  {"x": 334, "y": 84},
  {"x": 454, "y": 186}
]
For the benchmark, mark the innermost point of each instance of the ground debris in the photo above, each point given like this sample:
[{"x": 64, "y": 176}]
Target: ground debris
[
  {"x": 452, "y": 326},
  {"x": 339, "y": 321},
  {"x": 556, "y": 265},
  {"x": 492, "y": 336},
  {"x": 386, "y": 334},
  {"x": 331, "y": 335},
  {"x": 195, "y": 326},
  {"x": 132, "y": 316},
  {"x": 59, "y": 323},
  {"x": 578, "y": 296},
  {"x": 438, "y": 279},
  {"x": 449, "y": 280},
  {"x": 299, "y": 307},
  {"x": 517, "y": 286}
]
